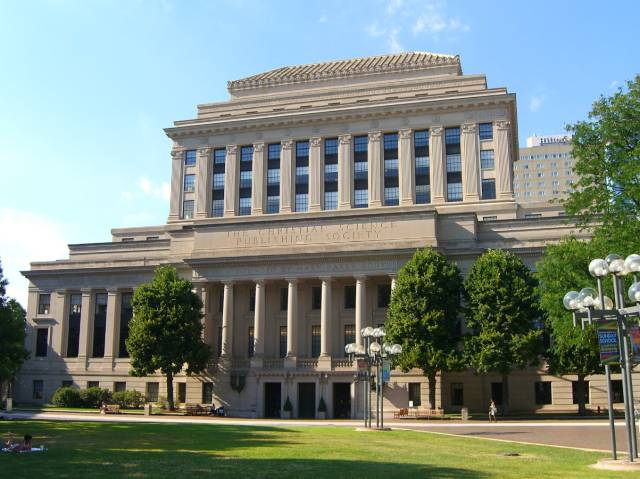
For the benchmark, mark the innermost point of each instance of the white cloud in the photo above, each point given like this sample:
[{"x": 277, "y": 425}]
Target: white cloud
[
  {"x": 536, "y": 103},
  {"x": 434, "y": 22},
  {"x": 394, "y": 5},
  {"x": 614, "y": 84},
  {"x": 148, "y": 188},
  {"x": 323, "y": 19},
  {"x": 27, "y": 237},
  {"x": 393, "y": 42},
  {"x": 390, "y": 34}
]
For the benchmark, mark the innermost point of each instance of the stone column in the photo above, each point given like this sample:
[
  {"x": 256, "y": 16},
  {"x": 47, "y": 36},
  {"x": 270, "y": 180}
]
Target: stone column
[
  {"x": 375, "y": 169},
  {"x": 470, "y": 144},
  {"x": 258, "y": 185},
  {"x": 502, "y": 140},
  {"x": 315, "y": 174},
  {"x": 111, "y": 336},
  {"x": 259, "y": 320},
  {"x": 177, "y": 160},
  {"x": 345, "y": 172},
  {"x": 231, "y": 175},
  {"x": 227, "y": 320},
  {"x": 86, "y": 324},
  {"x": 437, "y": 164},
  {"x": 361, "y": 306},
  {"x": 287, "y": 176},
  {"x": 325, "y": 318},
  {"x": 393, "y": 281},
  {"x": 203, "y": 183},
  {"x": 62, "y": 315},
  {"x": 406, "y": 167},
  {"x": 292, "y": 318}
]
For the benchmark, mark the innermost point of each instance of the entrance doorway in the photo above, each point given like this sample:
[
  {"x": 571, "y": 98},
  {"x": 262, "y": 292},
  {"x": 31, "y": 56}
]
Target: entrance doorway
[
  {"x": 307, "y": 400},
  {"x": 272, "y": 399},
  {"x": 341, "y": 400},
  {"x": 496, "y": 393}
]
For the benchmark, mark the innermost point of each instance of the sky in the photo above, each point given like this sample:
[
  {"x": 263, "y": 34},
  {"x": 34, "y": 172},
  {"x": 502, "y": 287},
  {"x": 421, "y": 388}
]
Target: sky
[{"x": 87, "y": 86}]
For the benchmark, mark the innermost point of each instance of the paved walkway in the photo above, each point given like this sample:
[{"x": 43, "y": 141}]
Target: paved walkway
[{"x": 586, "y": 434}]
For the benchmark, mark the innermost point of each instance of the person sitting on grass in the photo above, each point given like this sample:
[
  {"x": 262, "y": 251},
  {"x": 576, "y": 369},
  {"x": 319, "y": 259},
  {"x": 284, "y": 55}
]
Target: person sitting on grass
[{"x": 24, "y": 446}]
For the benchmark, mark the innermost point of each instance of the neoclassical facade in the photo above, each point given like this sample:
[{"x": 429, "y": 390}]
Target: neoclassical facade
[{"x": 293, "y": 205}]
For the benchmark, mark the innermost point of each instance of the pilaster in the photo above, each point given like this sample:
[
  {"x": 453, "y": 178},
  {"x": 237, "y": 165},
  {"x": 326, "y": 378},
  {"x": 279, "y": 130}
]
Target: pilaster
[
  {"x": 437, "y": 163},
  {"x": 325, "y": 318},
  {"x": 86, "y": 324},
  {"x": 315, "y": 174},
  {"x": 470, "y": 162},
  {"x": 258, "y": 190},
  {"x": 406, "y": 167},
  {"x": 203, "y": 182},
  {"x": 292, "y": 318},
  {"x": 361, "y": 306},
  {"x": 259, "y": 323},
  {"x": 504, "y": 185},
  {"x": 227, "y": 320},
  {"x": 231, "y": 175},
  {"x": 375, "y": 169},
  {"x": 177, "y": 160},
  {"x": 113, "y": 321},
  {"x": 345, "y": 172},
  {"x": 287, "y": 177}
]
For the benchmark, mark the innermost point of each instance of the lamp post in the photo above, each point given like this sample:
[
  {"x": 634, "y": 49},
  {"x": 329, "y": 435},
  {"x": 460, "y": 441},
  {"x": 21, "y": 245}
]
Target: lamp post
[
  {"x": 373, "y": 353},
  {"x": 584, "y": 303}
]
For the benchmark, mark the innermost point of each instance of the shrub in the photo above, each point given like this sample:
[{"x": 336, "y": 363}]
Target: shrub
[
  {"x": 128, "y": 399},
  {"x": 322, "y": 407},
  {"x": 67, "y": 396},
  {"x": 94, "y": 397},
  {"x": 162, "y": 402},
  {"x": 287, "y": 405}
]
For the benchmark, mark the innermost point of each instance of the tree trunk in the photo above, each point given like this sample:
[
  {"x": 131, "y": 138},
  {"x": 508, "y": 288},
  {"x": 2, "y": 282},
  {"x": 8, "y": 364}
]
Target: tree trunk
[
  {"x": 582, "y": 407},
  {"x": 505, "y": 394},
  {"x": 170, "y": 391},
  {"x": 431, "y": 377}
]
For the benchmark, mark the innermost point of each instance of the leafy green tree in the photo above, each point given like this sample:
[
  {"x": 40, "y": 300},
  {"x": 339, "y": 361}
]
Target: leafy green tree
[
  {"x": 423, "y": 316},
  {"x": 562, "y": 268},
  {"x": 12, "y": 334},
  {"x": 165, "y": 332},
  {"x": 607, "y": 151},
  {"x": 502, "y": 307}
]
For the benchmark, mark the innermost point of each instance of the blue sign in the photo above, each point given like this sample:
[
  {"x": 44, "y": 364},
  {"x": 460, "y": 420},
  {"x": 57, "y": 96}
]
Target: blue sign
[{"x": 386, "y": 370}]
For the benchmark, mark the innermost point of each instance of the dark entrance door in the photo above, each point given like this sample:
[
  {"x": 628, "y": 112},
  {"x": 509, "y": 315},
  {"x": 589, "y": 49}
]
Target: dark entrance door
[
  {"x": 341, "y": 400},
  {"x": 306, "y": 400},
  {"x": 496, "y": 393},
  {"x": 272, "y": 399}
]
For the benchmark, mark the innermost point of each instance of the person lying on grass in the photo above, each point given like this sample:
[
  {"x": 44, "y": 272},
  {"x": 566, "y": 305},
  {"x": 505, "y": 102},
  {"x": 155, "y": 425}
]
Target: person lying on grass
[{"x": 25, "y": 445}]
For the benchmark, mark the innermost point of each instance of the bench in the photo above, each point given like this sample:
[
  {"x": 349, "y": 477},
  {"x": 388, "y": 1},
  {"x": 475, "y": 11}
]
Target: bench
[
  {"x": 429, "y": 413},
  {"x": 111, "y": 409},
  {"x": 404, "y": 412},
  {"x": 196, "y": 410}
]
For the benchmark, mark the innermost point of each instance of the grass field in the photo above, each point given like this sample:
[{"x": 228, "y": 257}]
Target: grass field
[{"x": 109, "y": 450}]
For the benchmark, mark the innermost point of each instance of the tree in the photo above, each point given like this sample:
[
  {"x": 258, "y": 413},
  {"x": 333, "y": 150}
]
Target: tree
[
  {"x": 607, "y": 152},
  {"x": 12, "y": 334},
  {"x": 165, "y": 332},
  {"x": 423, "y": 316},
  {"x": 500, "y": 292},
  {"x": 563, "y": 268}
]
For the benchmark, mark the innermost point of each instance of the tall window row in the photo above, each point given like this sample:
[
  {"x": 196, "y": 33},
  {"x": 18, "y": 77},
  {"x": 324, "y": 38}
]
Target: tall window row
[
  {"x": 302, "y": 176},
  {"x": 273, "y": 178},
  {"x": 391, "y": 185},
  {"x": 453, "y": 164},
  {"x": 188, "y": 185},
  {"x": 421, "y": 151},
  {"x": 360, "y": 171},
  {"x": 246, "y": 167},
  {"x": 219, "y": 160},
  {"x": 331, "y": 174}
]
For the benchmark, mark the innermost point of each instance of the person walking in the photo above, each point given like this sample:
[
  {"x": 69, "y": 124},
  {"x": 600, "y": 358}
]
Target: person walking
[{"x": 493, "y": 411}]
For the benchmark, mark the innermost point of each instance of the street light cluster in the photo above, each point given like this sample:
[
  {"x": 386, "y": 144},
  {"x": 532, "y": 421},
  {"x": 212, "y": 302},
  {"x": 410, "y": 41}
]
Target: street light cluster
[
  {"x": 587, "y": 300},
  {"x": 373, "y": 352}
]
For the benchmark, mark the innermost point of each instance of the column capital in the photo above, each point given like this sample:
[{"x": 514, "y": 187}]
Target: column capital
[
  {"x": 328, "y": 279},
  {"x": 112, "y": 291},
  {"x": 177, "y": 153},
  {"x": 260, "y": 281},
  {"x": 206, "y": 151},
  {"x": 258, "y": 147},
  {"x": 315, "y": 141},
  {"x": 287, "y": 144},
  {"x": 405, "y": 133},
  {"x": 292, "y": 280},
  {"x": 86, "y": 291},
  {"x": 345, "y": 139},
  {"x": 503, "y": 124},
  {"x": 393, "y": 275},
  {"x": 360, "y": 277},
  {"x": 228, "y": 282},
  {"x": 436, "y": 130},
  {"x": 232, "y": 149},
  {"x": 375, "y": 135},
  {"x": 469, "y": 128}
]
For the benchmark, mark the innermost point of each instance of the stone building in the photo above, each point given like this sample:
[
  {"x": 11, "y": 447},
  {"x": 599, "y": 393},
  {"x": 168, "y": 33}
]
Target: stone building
[{"x": 293, "y": 205}]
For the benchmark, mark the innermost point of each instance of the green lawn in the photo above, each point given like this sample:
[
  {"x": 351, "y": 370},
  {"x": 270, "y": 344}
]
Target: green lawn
[{"x": 81, "y": 449}]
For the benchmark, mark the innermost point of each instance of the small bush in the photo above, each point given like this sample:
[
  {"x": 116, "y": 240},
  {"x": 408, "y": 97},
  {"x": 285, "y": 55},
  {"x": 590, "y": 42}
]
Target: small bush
[
  {"x": 322, "y": 407},
  {"x": 128, "y": 399},
  {"x": 67, "y": 396},
  {"x": 94, "y": 397},
  {"x": 162, "y": 402},
  {"x": 287, "y": 405}
]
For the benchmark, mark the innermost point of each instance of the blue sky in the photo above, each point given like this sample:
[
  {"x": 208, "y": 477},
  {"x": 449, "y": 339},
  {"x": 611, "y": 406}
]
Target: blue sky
[{"x": 87, "y": 86}]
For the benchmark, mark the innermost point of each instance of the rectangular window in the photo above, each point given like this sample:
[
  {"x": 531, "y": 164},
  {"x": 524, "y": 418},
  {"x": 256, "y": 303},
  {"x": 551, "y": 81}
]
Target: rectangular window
[
  {"x": 283, "y": 341},
  {"x": 245, "y": 206},
  {"x": 252, "y": 299},
  {"x": 349, "y": 297},
  {"x": 542, "y": 390},
  {"x": 575, "y": 395},
  {"x": 349, "y": 334},
  {"x": 616, "y": 391},
  {"x": 73, "y": 334},
  {"x": 187, "y": 209},
  {"x": 152, "y": 392},
  {"x": 189, "y": 183},
  {"x": 250, "y": 342},
  {"x": 119, "y": 387},
  {"x": 246, "y": 180},
  {"x": 489, "y": 189},
  {"x": 390, "y": 154},
  {"x": 217, "y": 208},
  {"x": 384, "y": 295},
  {"x": 421, "y": 151},
  {"x": 360, "y": 171},
  {"x": 218, "y": 181},
  {"x": 126, "y": 313},
  {"x": 273, "y": 178},
  {"x": 284, "y": 299},
  {"x": 457, "y": 394},
  {"x": 302, "y": 176},
  {"x": 217, "y": 204},
  {"x": 182, "y": 393},
  {"x": 330, "y": 173},
  {"x": 93, "y": 384},
  {"x": 207, "y": 393},
  {"x": 44, "y": 303},
  {"x": 315, "y": 341},
  {"x": 485, "y": 130},
  {"x": 190, "y": 157},
  {"x": 486, "y": 159},
  {"x": 42, "y": 342},
  {"x": 316, "y": 297},
  {"x": 38, "y": 388},
  {"x": 453, "y": 164},
  {"x": 99, "y": 324},
  {"x": 415, "y": 396}
]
